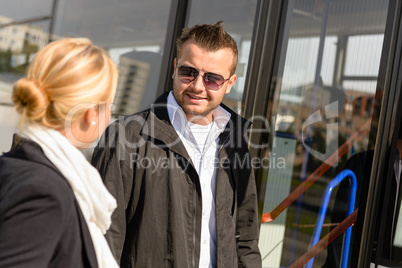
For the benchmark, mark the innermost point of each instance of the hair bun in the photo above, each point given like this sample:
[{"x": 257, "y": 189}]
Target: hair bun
[{"x": 30, "y": 99}]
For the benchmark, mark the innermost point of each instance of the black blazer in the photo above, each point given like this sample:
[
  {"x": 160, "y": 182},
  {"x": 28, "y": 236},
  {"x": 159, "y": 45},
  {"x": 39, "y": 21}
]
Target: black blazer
[{"x": 41, "y": 224}]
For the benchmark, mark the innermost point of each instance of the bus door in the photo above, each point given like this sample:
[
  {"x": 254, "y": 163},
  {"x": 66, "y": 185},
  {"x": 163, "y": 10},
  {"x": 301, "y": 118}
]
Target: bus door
[{"x": 322, "y": 116}]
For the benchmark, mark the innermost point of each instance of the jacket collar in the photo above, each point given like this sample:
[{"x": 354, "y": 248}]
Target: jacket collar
[
  {"x": 159, "y": 127},
  {"x": 176, "y": 114},
  {"x": 26, "y": 149}
]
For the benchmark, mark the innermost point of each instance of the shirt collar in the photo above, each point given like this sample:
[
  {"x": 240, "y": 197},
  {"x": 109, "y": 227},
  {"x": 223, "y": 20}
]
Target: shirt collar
[
  {"x": 176, "y": 114},
  {"x": 221, "y": 117},
  {"x": 178, "y": 118}
]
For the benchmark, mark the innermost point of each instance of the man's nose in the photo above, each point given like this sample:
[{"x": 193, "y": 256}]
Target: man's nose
[{"x": 198, "y": 84}]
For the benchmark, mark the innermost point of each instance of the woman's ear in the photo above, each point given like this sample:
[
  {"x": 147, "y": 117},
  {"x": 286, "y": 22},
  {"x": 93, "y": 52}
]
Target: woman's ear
[
  {"x": 84, "y": 129},
  {"x": 91, "y": 117}
]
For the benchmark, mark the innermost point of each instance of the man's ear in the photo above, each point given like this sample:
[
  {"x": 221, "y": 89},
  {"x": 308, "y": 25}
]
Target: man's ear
[
  {"x": 174, "y": 67},
  {"x": 231, "y": 82}
]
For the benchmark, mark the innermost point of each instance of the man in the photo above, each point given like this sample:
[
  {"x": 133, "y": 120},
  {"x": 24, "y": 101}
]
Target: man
[{"x": 181, "y": 171}]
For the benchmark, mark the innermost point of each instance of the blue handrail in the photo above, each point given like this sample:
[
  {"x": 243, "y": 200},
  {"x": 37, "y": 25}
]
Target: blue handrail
[{"x": 323, "y": 210}]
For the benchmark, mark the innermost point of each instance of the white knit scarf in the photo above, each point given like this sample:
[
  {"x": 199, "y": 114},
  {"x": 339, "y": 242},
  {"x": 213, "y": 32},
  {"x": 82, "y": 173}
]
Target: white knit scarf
[{"x": 96, "y": 203}]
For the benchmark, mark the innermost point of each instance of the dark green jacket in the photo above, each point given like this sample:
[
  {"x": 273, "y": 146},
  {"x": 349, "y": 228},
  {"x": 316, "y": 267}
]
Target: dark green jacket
[{"x": 158, "y": 220}]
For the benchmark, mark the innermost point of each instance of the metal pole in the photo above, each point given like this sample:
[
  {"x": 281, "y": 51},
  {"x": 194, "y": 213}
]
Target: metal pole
[{"x": 52, "y": 20}]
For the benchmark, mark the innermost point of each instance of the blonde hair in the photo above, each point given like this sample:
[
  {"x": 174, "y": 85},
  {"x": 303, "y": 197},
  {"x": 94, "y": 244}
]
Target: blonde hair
[{"x": 62, "y": 75}]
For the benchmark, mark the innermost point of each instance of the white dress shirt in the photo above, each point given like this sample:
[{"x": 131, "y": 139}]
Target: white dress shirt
[{"x": 201, "y": 143}]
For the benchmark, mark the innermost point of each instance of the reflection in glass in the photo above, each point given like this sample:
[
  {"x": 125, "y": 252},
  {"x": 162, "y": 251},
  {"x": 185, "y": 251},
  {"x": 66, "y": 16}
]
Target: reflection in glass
[
  {"x": 366, "y": 50},
  {"x": 18, "y": 45},
  {"x": 326, "y": 71},
  {"x": 133, "y": 32},
  {"x": 18, "y": 10}
]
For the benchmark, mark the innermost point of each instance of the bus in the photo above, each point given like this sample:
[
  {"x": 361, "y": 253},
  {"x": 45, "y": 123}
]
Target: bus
[{"x": 319, "y": 79}]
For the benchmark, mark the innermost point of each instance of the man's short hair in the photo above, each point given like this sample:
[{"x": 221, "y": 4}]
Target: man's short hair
[{"x": 210, "y": 37}]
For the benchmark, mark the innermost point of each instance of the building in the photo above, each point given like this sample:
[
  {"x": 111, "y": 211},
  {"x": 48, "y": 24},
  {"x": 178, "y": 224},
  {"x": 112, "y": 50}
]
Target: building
[{"x": 137, "y": 87}]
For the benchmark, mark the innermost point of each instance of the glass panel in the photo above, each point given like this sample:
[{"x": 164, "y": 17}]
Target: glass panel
[
  {"x": 8, "y": 119},
  {"x": 133, "y": 32},
  {"x": 238, "y": 20},
  {"x": 25, "y": 9},
  {"x": 18, "y": 45},
  {"x": 358, "y": 49},
  {"x": 327, "y": 68}
]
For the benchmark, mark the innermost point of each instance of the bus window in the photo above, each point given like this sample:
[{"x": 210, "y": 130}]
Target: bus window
[
  {"x": 323, "y": 108},
  {"x": 133, "y": 32},
  {"x": 238, "y": 20},
  {"x": 23, "y": 32}
]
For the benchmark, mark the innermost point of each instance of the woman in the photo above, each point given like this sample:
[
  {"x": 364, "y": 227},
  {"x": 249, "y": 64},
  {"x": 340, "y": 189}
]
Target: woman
[{"x": 54, "y": 208}]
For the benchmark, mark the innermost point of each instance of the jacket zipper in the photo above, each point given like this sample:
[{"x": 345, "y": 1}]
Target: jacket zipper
[{"x": 194, "y": 221}]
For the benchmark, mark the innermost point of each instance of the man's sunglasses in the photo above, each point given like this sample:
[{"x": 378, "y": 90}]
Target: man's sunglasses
[{"x": 211, "y": 81}]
